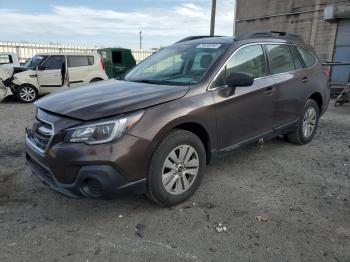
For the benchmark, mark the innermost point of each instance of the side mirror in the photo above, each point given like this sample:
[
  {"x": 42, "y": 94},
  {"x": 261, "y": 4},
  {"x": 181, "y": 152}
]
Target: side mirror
[
  {"x": 40, "y": 68},
  {"x": 234, "y": 80},
  {"x": 239, "y": 79}
]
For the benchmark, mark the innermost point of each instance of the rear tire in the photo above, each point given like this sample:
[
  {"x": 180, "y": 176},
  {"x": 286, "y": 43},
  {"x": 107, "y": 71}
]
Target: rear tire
[
  {"x": 27, "y": 94},
  {"x": 307, "y": 124},
  {"x": 177, "y": 167}
]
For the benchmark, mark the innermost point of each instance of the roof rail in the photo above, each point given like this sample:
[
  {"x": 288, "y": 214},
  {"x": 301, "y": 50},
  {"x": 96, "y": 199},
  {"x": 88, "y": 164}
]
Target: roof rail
[
  {"x": 189, "y": 38},
  {"x": 267, "y": 34}
]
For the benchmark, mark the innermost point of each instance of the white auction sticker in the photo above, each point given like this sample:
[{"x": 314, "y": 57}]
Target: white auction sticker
[{"x": 209, "y": 46}]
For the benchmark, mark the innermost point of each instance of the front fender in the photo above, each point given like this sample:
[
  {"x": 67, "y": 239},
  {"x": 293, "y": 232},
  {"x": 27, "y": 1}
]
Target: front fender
[
  {"x": 159, "y": 120},
  {"x": 26, "y": 77}
]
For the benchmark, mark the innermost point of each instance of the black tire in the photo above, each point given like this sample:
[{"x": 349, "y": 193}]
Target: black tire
[
  {"x": 96, "y": 80},
  {"x": 156, "y": 189},
  {"x": 32, "y": 94},
  {"x": 298, "y": 137}
]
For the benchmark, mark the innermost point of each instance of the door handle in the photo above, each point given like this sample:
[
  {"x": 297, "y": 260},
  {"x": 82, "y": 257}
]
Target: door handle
[
  {"x": 305, "y": 79},
  {"x": 269, "y": 91}
]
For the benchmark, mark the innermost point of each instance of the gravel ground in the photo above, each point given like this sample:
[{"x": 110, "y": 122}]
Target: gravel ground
[{"x": 302, "y": 191}]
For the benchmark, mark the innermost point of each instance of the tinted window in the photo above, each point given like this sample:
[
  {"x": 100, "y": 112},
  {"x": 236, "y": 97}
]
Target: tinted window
[
  {"x": 34, "y": 61},
  {"x": 74, "y": 61},
  {"x": 308, "y": 58},
  {"x": 54, "y": 62},
  {"x": 297, "y": 60},
  {"x": 280, "y": 58},
  {"x": 5, "y": 59},
  {"x": 116, "y": 57},
  {"x": 250, "y": 59}
]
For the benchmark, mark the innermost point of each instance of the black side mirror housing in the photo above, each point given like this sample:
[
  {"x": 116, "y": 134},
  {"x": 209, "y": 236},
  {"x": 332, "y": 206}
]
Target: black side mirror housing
[
  {"x": 239, "y": 79},
  {"x": 234, "y": 80},
  {"x": 40, "y": 68}
]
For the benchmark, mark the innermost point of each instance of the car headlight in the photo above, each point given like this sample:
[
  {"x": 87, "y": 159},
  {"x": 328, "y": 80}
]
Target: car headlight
[{"x": 102, "y": 132}]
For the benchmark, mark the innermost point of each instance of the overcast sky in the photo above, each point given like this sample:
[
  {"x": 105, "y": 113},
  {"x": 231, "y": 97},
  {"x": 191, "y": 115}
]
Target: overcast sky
[{"x": 111, "y": 22}]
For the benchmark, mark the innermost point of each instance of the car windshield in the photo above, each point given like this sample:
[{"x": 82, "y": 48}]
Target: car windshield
[
  {"x": 34, "y": 62},
  {"x": 184, "y": 64}
]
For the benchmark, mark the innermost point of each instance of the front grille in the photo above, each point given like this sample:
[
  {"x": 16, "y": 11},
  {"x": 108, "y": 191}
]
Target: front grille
[{"x": 41, "y": 134}]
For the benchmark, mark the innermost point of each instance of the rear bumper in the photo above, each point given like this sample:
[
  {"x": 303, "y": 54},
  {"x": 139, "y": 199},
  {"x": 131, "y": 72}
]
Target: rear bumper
[{"x": 97, "y": 181}]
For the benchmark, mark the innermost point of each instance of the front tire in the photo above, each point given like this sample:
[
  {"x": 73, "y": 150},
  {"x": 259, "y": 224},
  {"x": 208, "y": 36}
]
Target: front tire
[
  {"x": 307, "y": 124},
  {"x": 177, "y": 167},
  {"x": 27, "y": 94},
  {"x": 96, "y": 80}
]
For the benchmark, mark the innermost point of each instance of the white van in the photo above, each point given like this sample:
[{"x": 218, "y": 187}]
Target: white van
[{"x": 46, "y": 73}]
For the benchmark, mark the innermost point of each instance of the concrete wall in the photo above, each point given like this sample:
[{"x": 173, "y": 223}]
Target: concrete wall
[{"x": 304, "y": 17}]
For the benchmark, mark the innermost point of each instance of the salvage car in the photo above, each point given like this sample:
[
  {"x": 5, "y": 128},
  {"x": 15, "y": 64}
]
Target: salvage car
[
  {"x": 46, "y": 73},
  {"x": 8, "y": 61},
  {"x": 154, "y": 130}
]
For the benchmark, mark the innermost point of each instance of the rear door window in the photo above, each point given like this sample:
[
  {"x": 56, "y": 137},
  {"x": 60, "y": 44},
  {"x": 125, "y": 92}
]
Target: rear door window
[
  {"x": 280, "y": 58},
  {"x": 75, "y": 61},
  {"x": 308, "y": 58}
]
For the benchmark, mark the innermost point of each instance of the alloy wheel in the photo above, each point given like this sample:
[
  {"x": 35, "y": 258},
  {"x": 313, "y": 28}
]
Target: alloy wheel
[
  {"x": 180, "y": 169},
  {"x": 27, "y": 94},
  {"x": 309, "y": 122}
]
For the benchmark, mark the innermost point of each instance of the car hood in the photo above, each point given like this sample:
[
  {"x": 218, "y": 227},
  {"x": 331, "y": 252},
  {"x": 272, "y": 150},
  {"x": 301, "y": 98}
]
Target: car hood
[{"x": 108, "y": 98}]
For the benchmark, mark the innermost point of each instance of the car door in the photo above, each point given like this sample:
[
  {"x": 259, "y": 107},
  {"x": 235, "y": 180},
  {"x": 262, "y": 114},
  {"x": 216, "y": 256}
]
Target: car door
[
  {"x": 50, "y": 74},
  {"x": 80, "y": 67},
  {"x": 248, "y": 113},
  {"x": 286, "y": 69}
]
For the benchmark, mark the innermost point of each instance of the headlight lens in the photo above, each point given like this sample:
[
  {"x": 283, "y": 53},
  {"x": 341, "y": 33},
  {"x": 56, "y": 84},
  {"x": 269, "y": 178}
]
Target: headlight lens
[{"x": 102, "y": 132}]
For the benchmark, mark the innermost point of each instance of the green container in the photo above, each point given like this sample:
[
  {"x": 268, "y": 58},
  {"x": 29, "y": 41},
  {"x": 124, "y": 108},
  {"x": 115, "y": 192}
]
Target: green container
[{"x": 117, "y": 61}]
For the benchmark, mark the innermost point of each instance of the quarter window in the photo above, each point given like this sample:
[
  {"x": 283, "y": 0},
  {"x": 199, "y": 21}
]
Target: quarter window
[
  {"x": 75, "y": 61},
  {"x": 281, "y": 59},
  {"x": 297, "y": 60},
  {"x": 308, "y": 58}
]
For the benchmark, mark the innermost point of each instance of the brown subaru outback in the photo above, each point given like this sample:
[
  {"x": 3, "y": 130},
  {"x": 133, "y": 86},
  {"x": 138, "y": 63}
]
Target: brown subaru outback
[{"x": 155, "y": 129}]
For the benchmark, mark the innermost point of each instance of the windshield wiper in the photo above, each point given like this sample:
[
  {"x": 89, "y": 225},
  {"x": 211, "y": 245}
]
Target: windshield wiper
[{"x": 147, "y": 81}]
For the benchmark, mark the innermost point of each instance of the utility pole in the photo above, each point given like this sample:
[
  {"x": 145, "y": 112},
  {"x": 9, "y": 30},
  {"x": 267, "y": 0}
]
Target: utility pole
[
  {"x": 234, "y": 17},
  {"x": 140, "y": 39},
  {"x": 212, "y": 21}
]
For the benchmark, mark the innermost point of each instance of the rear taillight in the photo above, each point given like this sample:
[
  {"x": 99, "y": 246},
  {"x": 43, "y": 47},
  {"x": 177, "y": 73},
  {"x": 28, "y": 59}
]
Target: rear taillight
[
  {"x": 327, "y": 72},
  {"x": 102, "y": 63}
]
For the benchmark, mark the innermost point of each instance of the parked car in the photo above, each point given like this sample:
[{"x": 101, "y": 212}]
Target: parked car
[
  {"x": 7, "y": 62},
  {"x": 46, "y": 73},
  {"x": 155, "y": 130},
  {"x": 117, "y": 61}
]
